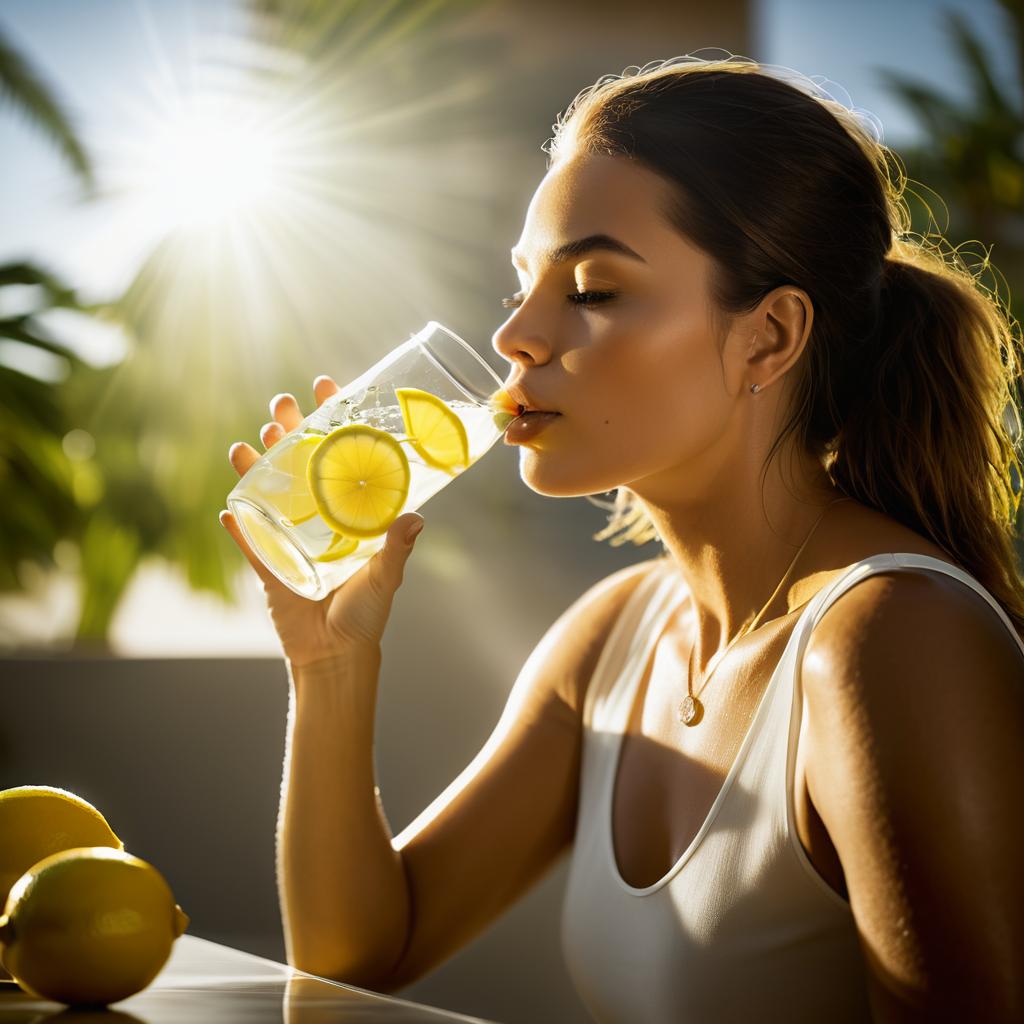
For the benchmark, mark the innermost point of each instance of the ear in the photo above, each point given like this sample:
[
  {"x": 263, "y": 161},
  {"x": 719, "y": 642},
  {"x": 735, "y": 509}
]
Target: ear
[{"x": 779, "y": 330}]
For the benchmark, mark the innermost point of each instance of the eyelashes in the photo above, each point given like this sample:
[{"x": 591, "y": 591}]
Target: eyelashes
[{"x": 590, "y": 298}]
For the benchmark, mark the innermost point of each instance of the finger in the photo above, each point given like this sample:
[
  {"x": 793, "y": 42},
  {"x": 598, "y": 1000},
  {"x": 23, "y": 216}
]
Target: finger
[
  {"x": 323, "y": 388},
  {"x": 228, "y": 521},
  {"x": 271, "y": 433},
  {"x": 387, "y": 567},
  {"x": 286, "y": 411},
  {"x": 242, "y": 456}
]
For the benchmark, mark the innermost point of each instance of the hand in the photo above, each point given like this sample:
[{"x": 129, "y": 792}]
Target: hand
[{"x": 358, "y": 610}]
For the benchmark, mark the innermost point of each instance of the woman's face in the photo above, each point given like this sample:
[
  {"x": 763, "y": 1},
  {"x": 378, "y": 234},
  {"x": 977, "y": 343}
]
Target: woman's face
[{"x": 634, "y": 370}]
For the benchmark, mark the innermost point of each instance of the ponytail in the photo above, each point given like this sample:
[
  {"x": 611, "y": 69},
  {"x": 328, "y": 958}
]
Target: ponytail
[{"x": 926, "y": 434}]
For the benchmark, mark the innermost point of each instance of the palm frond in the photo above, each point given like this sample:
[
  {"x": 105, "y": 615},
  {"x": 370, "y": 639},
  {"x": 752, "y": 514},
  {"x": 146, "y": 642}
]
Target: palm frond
[
  {"x": 24, "y": 330},
  {"x": 938, "y": 115},
  {"x": 991, "y": 103},
  {"x": 1014, "y": 11},
  {"x": 57, "y": 292},
  {"x": 22, "y": 86}
]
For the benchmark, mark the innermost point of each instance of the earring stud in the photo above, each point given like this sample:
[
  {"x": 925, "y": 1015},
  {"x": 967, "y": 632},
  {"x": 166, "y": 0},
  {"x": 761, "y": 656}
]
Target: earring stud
[{"x": 754, "y": 388}]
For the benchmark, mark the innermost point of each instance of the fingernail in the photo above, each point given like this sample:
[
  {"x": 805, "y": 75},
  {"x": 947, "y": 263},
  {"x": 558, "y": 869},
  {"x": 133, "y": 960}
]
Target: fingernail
[
  {"x": 221, "y": 516},
  {"x": 413, "y": 532}
]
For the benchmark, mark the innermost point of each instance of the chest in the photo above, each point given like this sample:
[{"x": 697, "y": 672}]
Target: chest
[{"x": 669, "y": 775}]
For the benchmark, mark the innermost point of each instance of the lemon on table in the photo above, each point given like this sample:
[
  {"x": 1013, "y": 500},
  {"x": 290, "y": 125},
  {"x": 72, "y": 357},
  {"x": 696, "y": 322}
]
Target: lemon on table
[
  {"x": 36, "y": 821},
  {"x": 339, "y": 547},
  {"x": 435, "y": 431},
  {"x": 293, "y": 500},
  {"x": 359, "y": 478},
  {"x": 89, "y": 926}
]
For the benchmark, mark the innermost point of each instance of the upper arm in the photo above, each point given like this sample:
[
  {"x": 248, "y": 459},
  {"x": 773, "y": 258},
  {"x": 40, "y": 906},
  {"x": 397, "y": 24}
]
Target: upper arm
[
  {"x": 505, "y": 820},
  {"x": 915, "y": 703}
]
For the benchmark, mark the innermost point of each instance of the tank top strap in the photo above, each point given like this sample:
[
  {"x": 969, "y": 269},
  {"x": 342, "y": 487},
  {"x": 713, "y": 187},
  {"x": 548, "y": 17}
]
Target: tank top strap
[
  {"x": 889, "y": 561},
  {"x": 796, "y": 648},
  {"x": 633, "y": 634}
]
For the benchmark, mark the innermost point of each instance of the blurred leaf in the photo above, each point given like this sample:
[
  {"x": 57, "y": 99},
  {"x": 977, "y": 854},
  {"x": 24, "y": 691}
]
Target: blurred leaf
[
  {"x": 110, "y": 552},
  {"x": 1006, "y": 179},
  {"x": 39, "y": 505},
  {"x": 22, "y": 86},
  {"x": 31, "y": 274},
  {"x": 938, "y": 116},
  {"x": 1014, "y": 11},
  {"x": 22, "y": 328},
  {"x": 989, "y": 97}
]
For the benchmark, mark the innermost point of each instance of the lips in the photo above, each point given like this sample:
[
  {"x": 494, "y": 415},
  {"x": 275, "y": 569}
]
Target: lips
[{"x": 514, "y": 399}]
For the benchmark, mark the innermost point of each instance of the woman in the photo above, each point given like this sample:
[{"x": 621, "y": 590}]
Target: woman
[{"x": 787, "y": 754}]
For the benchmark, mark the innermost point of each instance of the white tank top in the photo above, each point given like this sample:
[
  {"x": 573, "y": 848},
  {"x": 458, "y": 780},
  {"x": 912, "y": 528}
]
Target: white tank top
[{"x": 742, "y": 927}]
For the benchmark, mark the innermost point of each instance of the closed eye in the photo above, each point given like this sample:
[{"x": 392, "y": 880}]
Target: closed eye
[{"x": 577, "y": 298}]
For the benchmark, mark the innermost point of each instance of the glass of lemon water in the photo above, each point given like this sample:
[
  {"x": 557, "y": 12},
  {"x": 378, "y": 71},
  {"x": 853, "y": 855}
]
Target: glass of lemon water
[{"x": 316, "y": 505}]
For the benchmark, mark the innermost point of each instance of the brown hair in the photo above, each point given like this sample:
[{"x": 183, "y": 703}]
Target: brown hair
[{"x": 906, "y": 388}]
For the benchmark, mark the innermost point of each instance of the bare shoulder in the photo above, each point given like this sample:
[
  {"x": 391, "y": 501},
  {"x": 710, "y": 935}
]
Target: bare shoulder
[
  {"x": 572, "y": 645},
  {"x": 878, "y": 619},
  {"x": 922, "y": 638},
  {"x": 915, "y": 704}
]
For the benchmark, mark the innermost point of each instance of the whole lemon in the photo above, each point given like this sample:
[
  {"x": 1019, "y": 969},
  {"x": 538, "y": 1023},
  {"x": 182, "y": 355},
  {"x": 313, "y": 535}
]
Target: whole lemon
[
  {"x": 36, "y": 821},
  {"x": 89, "y": 926}
]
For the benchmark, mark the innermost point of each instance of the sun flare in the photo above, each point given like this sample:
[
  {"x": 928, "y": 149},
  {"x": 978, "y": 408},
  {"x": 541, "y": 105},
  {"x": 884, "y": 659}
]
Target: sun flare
[{"x": 205, "y": 166}]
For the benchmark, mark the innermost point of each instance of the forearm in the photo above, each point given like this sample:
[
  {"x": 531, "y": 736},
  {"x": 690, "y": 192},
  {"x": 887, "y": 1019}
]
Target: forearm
[{"x": 344, "y": 897}]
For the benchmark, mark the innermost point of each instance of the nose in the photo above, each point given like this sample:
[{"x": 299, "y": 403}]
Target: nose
[{"x": 515, "y": 344}]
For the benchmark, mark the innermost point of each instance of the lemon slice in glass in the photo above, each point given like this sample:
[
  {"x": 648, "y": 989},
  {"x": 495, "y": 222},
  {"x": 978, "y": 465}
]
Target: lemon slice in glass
[
  {"x": 293, "y": 500},
  {"x": 435, "y": 432},
  {"x": 359, "y": 479},
  {"x": 339, "y": 547}
]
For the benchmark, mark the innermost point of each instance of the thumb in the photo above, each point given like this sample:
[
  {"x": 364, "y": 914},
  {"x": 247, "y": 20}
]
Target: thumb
[
  {"x": 404, "y": 530},
  {"x": 398, "y": 544}
]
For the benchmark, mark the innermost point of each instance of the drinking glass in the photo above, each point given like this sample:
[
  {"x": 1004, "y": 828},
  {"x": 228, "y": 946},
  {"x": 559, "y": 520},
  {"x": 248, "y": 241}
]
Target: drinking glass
[{"x": 316, "y": 505}]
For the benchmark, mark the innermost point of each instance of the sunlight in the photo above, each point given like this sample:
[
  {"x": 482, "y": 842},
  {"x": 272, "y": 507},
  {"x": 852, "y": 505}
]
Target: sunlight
[
  {"x": 210, "y": 163},
  {"x": 269, "y": 213},
  {"x": 205, "y": 169}
]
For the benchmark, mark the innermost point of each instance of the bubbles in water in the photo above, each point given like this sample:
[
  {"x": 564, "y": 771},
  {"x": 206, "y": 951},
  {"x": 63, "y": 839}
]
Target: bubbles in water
[
  {"x": 385, "y": 417},
  {"x": 341, "y": 413}
]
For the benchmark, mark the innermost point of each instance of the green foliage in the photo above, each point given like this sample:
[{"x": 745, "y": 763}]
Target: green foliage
[
  {"x": 38, "y": 481},
  {"x": 973, "y": 153},
  {"x": 22, "y": 85},
  {"x": 53, "y": 472},
  {"x": 68, "y": 474}
]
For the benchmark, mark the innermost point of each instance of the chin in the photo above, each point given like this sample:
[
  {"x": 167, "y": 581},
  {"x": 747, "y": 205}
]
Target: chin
[{"x": 554, "y": 483}]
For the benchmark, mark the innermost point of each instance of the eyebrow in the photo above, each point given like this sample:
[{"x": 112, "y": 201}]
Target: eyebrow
[{"x": 582, "y": 246}]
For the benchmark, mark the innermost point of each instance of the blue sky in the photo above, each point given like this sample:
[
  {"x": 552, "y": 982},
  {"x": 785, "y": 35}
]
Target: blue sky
[
  {"x": 106, "y": 56},
  {"x": 846, "y": 41}
]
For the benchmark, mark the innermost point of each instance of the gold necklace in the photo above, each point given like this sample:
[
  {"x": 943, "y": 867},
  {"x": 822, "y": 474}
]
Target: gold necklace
[{"x": 691, "y": 710}]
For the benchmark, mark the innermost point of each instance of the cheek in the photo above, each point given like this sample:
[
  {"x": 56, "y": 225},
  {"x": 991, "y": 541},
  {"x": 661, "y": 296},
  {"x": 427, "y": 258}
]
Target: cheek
[{"x": 654, "y": 384}]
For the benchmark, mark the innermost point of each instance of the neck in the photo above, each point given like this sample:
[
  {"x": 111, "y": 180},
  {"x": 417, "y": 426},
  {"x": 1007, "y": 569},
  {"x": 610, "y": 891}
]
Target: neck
[{"x": 733, "y": 552}]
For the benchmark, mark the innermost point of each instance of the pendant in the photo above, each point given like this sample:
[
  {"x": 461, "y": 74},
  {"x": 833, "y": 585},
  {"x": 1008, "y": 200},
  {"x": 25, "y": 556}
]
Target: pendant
[{"x": 691, "y": 711}]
